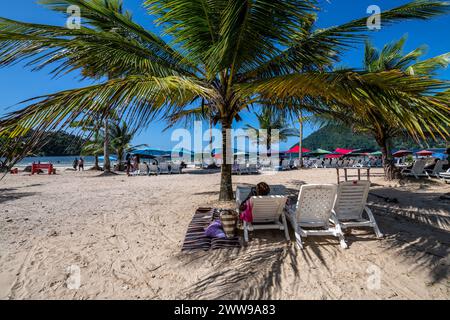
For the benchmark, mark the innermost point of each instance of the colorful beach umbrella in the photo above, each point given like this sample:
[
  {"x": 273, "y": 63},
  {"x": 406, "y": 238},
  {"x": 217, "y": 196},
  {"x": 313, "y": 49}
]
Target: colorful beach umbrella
[
  {"x": 334, "y": 156},
  {"x": 111, "y": 158},
  {"x": 439, "y": 155},
  {"x": 401, "y": 153},
  {"x": 342, "y": 151},
  {"x": 424, "y": 153},
  {"x": 376, "y": 154},
  {"x": 318, "y": 152},
  {"x": 296, "y": 149}
]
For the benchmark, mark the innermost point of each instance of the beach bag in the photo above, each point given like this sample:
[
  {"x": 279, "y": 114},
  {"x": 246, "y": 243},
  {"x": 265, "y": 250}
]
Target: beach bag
[{"x": 229, "y": 220}]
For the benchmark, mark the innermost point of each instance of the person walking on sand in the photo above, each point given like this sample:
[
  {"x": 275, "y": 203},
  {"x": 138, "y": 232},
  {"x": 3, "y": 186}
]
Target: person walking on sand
[
  {"x": 81, "y": 164},
  {"x": 128, "y": 159},
  {"x": 75, "y": 164}
]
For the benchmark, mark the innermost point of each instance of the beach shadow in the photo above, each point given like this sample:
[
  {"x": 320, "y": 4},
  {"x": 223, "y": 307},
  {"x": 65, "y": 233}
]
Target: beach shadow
[
  {"x": 258, "y": 265},
  {"x": 203, "y": 172},
  {"x": 417, "y": 240},
  {"x": 10, "y": 194}
]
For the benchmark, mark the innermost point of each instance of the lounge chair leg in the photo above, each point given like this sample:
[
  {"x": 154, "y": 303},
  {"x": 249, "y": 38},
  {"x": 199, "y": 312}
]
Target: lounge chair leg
[
  {"x": 245, "y": 231},
  {"x": 298, "y": 239},
  {"x": 286, "y": 230},
  {"x": 374, "y": 223}
]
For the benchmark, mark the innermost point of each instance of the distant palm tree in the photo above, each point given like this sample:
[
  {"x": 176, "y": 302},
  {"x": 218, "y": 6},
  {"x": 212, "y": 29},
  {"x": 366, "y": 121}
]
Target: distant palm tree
[
  {"x": 121, "y": 137},
  {"x": 275, "y": 125},
  {"x": 226, "y": 55}
]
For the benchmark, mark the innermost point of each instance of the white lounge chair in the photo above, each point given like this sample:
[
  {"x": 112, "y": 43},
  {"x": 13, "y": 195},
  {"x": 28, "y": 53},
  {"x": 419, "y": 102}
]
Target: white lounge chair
[
  {"x": 153, "y": 169},
  {"x": 351, "y": 202},
  {"x": 314, "y": 209},
  {"x": 285, "y": 165},
  {"x": 143, "y": 169},
  {"x": 163, "y": 168},
  {"x": 266, "y": 212},
  {"x": 445, "y": 176},
  {"x": 438, "y": 168},
  {"x": 175, "y": 168},
  {"x": 417, "y": 170},
  {"x": 243, "y": 168},
  {"x": 252, "y": 168}
]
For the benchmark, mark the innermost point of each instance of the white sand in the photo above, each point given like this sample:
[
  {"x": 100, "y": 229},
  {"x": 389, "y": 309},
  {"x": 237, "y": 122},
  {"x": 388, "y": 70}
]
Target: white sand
[{"x": 125, "y": 235}]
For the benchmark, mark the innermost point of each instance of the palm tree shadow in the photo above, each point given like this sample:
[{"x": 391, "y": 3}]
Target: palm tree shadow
[
  {"x": 418, "y": 241},
  {"x": 10, "y": 194},
  {"x": 259, "y": 266}
]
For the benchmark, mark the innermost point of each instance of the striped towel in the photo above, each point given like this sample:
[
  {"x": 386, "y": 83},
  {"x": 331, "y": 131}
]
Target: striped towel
[{"x": 195, "y": 236}]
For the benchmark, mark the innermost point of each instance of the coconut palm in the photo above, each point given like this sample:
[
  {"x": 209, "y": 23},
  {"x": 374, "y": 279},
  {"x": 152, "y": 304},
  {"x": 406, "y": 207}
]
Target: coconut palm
[
  {"x": 380, "y": 126},
  {"x": 121, "y": 137},
  {"x": 274, "y": 122},
  {"x": 223, "y": 55}
]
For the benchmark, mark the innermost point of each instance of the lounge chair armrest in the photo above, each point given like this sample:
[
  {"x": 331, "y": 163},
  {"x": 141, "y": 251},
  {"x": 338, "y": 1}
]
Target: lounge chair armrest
[{"x": 333, "y": 217}]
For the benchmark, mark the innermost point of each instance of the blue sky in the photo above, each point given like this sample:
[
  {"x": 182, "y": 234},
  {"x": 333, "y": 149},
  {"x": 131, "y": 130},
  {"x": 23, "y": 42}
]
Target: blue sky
[{"x": 18, "y": 83}]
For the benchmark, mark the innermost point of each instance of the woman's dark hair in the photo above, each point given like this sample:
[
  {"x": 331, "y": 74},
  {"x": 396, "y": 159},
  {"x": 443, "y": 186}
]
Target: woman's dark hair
[{"x": 262, "y": 189}]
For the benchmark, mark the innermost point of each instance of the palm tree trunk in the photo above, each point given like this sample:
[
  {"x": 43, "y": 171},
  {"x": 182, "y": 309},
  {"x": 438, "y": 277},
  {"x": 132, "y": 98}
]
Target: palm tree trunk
[
  {"x": 96, "y": 166},
  {"x": 107, "y": 163},
  {"x": 226, "y": 184},
  {"x": 300, "y": 142},
  {"x": 390, "y": 171}
]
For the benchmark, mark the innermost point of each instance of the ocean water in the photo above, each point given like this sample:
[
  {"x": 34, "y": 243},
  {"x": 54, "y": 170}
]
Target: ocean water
[{"x": 65, "y": 161}]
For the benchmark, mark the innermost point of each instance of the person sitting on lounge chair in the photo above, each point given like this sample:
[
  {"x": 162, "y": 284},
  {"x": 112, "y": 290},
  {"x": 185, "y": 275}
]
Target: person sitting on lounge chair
[{"x": 245, "y": 209}]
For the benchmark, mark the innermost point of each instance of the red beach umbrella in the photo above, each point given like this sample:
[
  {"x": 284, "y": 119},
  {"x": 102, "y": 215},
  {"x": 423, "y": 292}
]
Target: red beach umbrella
[
  {"x": 296, "y": 149},
  {"x": 401, "y": 153},
  {"x": 424, "y": 153},
  {"x": 342, "y": 151}
]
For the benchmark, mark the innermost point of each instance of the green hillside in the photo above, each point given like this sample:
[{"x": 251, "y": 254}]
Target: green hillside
[{"x": 331, "y": 137}]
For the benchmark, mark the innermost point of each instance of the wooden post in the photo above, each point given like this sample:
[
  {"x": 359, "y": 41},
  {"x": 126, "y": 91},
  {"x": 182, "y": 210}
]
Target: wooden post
[{"x": 345, "y": 173}]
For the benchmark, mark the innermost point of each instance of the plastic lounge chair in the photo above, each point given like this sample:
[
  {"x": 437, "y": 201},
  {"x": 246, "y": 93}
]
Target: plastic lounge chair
[
  {"x": 243, "y": 168},
  {"x": 164, "y": 168},
  {"x": 252, "y": 168},
  {"x": 438, "y": 168},
  {"x": 266, "y": 212},
  {"x": 417, "y": 170},
  {"x": 351, "y": 203},
  {"x": 153, "y": 169},
  {"x": 313, "y": 211},
  {"x": 285, "y": 165},
  {"x": 445, "y": 175},
  {"x": 143, "y": 169},
  {"x": 175, "y": 168}
]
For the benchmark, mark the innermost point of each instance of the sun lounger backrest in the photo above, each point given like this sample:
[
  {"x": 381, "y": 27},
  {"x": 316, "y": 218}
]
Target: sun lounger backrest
[
  {"x": 268, "y": 208},
  {"x": 315, "y": 202},
  {"x": 351, "y": 199},
  {"x": 277, "y": 190},
  {"x": 418, "y": 166},
  {"x": 438, "y": 167}
]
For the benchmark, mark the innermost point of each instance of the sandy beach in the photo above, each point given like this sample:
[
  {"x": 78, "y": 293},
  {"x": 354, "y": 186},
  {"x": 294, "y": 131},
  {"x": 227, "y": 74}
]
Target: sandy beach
[{"x": 125, "y": 236}]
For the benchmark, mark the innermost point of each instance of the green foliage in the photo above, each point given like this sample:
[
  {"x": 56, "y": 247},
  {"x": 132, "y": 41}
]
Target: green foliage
[{"x": 334, "y": 136}]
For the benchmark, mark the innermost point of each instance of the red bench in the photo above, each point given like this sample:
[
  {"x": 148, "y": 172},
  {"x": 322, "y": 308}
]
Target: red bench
[{"x": 35, "y": 167}]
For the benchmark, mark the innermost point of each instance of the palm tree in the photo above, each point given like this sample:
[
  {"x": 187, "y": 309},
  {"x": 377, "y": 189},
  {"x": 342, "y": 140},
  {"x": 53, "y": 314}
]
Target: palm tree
[
  {"x": 121, "y": 137},
  {"x": 225, "y": 55},
  {"x": 271, "y": 120},
  {"x": 391, "y": 57}
]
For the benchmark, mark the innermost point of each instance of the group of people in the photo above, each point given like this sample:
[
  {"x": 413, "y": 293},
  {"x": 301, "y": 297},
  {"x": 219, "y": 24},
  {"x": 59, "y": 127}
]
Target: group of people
[{"x": 78, "y": 164}]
